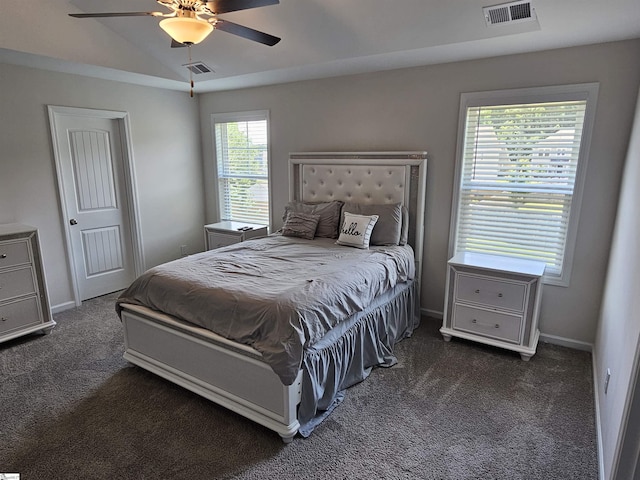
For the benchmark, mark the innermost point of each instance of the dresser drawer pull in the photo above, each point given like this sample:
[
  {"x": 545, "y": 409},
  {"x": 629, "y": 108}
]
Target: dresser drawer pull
[
  {"x": 497, "y": 325},
  {"x": 3, "y": 319},
  {"x": 4, "y": 255},
  {"x": 478, "y": 291}
]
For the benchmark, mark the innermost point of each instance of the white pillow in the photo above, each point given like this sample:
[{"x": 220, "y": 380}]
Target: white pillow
[{"x": 356, "y": 230}]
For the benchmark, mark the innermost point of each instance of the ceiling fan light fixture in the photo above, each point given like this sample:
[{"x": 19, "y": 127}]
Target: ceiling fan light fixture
[{"x": 186, "y": 30}]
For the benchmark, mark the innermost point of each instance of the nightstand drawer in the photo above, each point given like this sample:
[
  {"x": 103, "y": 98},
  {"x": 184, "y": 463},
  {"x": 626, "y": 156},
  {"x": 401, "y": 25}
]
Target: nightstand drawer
[
  {"x": 14, "y": 253},
  {"x": 491, "y": 324},
  {"x": 15, "y": 283},
  {"x": 493, "y": 293},
  {"x": 217, "y": 239},
  {"x": 17, "y": 315}
]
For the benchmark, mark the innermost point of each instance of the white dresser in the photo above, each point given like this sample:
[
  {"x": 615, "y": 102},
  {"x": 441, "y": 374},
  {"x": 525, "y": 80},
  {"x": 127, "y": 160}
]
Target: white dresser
[
  {"x": 494, "y": 300},
  {"x": 24, "y": 304},
  {"x": 228, "y": 232}
]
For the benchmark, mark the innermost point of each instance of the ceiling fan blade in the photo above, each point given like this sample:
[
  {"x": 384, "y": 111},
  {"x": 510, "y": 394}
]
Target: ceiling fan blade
[
  {"x": 225, "y": 6},
  {"x": 116, "y": 14},
  {"x": 246, "y": 32}
]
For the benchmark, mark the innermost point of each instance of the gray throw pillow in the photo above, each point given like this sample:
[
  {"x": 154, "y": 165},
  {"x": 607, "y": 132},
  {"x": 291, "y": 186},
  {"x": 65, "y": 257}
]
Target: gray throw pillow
[
  {"x": 302, "y": 225},
  {"x": 388, "y": 228},
  {"x": 329, "y": 215}
]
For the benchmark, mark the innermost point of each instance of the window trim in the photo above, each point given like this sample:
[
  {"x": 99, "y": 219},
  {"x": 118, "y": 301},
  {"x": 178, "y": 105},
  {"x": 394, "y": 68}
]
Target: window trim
[
  {"x": 228, "y": 117},
  {"x": 584, "y": 91}
]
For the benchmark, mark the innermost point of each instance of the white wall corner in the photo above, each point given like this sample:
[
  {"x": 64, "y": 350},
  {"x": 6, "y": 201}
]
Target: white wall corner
[{"x": 596, "y": 402}]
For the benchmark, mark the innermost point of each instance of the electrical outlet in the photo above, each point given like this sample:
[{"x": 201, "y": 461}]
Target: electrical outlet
[
  {"x": 606, "y": 380},
  {"x": 183, "y": 250}
]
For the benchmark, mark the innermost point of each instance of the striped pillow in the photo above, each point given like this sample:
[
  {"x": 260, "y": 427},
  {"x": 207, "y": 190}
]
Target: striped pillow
[{"x": 302, "y": 225}]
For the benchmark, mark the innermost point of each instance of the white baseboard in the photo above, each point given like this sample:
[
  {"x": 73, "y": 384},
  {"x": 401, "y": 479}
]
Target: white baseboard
[
  {"x": 566, "y": 342},
  {"x": 431, "y": 313},
  {"x": 62, "y": 307},
  {"x": 596, "y": 400}
]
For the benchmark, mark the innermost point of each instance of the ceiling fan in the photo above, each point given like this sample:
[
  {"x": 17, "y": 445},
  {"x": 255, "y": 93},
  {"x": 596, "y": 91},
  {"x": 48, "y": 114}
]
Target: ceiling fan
[{"x": 190, "y": 21}]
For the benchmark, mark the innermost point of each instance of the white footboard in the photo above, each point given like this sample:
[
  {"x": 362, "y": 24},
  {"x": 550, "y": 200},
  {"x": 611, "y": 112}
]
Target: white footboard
[{"x": 225, "y": 372}]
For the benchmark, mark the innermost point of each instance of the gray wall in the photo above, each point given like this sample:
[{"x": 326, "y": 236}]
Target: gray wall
[
  {"x": 410, "y": 109},
  {"x": 617, "y": 344},
  {"x": 166, "y": 154},
  {"x": 417, "y": 109}
]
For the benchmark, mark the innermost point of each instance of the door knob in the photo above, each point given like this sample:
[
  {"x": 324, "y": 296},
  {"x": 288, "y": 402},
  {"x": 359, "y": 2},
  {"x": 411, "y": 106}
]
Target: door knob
[{"x": 73, "y": 221}]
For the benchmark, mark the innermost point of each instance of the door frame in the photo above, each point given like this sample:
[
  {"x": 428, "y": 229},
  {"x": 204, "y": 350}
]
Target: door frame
[{"x": 130, "y": 189}]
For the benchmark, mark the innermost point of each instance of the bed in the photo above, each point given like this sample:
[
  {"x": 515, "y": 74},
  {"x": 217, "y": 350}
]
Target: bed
[{"x": 281, "y": 347}]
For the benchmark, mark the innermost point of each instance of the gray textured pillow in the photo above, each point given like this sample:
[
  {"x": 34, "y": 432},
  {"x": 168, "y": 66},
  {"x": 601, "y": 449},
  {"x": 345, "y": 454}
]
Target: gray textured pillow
[
  {"x": 329, "y": 215},
  {"x": 388, "y": 228},
  {"x": 302, "y": 225}
]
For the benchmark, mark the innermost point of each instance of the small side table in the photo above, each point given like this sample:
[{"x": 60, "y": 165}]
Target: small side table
[
  {"x": 229, "y": 232},
  {"x": 494, "y": 300}
]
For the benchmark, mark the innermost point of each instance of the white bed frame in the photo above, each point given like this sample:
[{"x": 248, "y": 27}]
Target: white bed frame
[{"x": 240, "y": 380}]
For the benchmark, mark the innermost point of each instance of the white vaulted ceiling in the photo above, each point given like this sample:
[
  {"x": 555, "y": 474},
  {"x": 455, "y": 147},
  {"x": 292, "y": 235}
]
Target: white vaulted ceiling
[{"x": 320, "y": 38}]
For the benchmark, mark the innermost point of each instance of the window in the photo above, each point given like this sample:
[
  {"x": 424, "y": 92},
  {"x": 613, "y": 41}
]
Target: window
[
  {"x": 242, "y": 157},
  {"x": 521, "y": 163}
]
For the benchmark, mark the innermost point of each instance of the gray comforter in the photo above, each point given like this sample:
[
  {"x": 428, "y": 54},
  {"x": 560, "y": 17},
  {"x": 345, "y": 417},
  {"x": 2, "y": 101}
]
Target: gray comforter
[{"x": 277, "y": 294}]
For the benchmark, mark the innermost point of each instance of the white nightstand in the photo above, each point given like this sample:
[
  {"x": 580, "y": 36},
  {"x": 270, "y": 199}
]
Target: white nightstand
[
  {"x": 24, "y": 304},
  {"x": 228, "y": 232},
  {"x": 494, "y": 300}
]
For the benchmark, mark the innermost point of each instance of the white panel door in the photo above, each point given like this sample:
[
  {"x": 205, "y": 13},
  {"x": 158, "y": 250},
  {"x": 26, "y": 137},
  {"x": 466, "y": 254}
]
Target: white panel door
[{"x": 90, "y": 154}]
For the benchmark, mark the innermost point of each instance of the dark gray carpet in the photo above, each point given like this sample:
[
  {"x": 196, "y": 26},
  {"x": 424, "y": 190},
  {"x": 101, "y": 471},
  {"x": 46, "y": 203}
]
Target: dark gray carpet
[{"x": 71, "y": 407}]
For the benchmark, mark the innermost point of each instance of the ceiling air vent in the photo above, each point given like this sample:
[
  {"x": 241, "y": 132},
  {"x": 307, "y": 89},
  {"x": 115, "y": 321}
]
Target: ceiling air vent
[
  {"x": 512, "y": 12},
  {"x": 198, "y": 67}
]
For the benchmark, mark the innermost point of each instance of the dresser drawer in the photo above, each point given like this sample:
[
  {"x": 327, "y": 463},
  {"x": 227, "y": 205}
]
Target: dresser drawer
[
  {"x": 20, "y": 314},
  {"x": 14, "y": 253},
  {"x": 217, "y": 240},
  {"x": 493, "y": 293},
  {"x": 491, "y": 324},
  {"x": 15, "y": 283}
]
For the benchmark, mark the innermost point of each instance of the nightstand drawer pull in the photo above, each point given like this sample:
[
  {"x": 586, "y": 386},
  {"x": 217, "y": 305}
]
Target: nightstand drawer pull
[
  {"x": 4, "y": 255},
  {"x": 497, "y": 325},
  {"x": 3, "y": 319},
  {"x": 478, "y": 292}
]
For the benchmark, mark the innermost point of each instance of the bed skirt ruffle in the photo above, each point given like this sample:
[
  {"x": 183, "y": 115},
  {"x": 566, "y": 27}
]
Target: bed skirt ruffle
[{"x": 345, "y": 357}]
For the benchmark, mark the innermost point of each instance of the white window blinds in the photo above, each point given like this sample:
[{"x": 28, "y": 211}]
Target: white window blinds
[
  {"x": 518, "y": 177},
  {"x": 243, "y": 170}
]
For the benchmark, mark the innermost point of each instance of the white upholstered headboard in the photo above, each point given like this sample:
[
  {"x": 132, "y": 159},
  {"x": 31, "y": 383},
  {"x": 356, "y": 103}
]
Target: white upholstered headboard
[{"x": 365, "y": 177}]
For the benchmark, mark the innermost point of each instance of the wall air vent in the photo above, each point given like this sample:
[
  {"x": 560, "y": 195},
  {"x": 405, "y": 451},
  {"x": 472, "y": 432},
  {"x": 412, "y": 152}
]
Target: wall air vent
[
  {"x": 198, "y": 68},
  {"x": 507, "y": 13}
]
